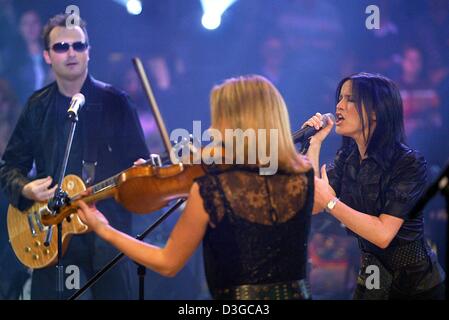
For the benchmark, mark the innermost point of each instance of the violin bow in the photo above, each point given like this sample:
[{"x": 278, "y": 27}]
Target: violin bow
[{"x": 153, "y": 104}]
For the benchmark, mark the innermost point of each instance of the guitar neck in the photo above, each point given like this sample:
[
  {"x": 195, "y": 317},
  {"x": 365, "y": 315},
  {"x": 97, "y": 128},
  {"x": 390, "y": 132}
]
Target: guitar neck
[
  {"x": 105, "y": 184},
  {"x": 102, "y": 190}
]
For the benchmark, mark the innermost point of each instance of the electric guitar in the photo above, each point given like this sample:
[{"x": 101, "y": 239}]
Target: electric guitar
[
  {"x": 27, "y": 230},
  {"x": 140, "y": 189}
]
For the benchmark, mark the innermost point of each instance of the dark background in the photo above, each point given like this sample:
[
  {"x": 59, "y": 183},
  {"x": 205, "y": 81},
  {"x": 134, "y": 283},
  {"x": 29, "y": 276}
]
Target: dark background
[{"x": 303, "y": 46}]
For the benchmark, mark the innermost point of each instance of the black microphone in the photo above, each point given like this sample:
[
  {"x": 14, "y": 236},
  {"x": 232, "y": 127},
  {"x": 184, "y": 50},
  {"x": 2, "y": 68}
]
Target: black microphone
[
  {"x": 76, "y": 103},
  {"x": 303, "y": 134}
]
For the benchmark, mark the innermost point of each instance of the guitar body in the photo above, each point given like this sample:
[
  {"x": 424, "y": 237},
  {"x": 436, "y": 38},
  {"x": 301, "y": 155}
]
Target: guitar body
[{"x": 27, "y": 232}]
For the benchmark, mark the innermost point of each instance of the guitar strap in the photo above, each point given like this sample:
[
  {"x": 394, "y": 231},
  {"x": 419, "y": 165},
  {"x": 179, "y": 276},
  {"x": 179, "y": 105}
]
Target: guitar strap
[{"x": 91, "y": 132}]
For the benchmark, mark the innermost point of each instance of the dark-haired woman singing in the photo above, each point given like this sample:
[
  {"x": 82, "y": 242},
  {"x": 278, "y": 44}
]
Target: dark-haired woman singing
[{"x": 371, "y": 187}]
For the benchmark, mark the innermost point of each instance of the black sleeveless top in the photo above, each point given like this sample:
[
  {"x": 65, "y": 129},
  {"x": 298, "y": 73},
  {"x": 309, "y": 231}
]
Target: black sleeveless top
[{"x": 259, "y": 226}]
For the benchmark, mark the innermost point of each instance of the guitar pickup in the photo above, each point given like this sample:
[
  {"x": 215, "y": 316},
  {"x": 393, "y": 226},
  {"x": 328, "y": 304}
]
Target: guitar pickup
[
  {"x": 37, "y": 218},
  {"x": 31, "y": 225}
]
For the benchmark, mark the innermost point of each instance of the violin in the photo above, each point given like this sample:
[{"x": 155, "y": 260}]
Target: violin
[{"x": 140, "y": 189}]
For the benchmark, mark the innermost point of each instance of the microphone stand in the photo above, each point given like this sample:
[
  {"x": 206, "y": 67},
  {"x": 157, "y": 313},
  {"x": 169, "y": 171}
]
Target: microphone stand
[
  {"x": 117, "y": 258},
  {"x": 60, "y": 199},
  {"x": 440, "y": 184}
]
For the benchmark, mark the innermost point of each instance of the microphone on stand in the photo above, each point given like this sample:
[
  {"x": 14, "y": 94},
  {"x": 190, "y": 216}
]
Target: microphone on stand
[{"x": 76, "y": 103}]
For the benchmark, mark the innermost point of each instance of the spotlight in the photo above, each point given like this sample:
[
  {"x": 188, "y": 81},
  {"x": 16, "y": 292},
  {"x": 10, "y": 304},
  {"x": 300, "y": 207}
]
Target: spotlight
[
  {"x": 211, "y": 21},
  {"x": 212, "y": 12},
  {"x": 134, "y": 7}
]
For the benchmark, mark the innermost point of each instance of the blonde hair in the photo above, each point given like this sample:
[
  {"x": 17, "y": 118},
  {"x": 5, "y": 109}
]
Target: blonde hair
[{"x": 253, "y": 102}]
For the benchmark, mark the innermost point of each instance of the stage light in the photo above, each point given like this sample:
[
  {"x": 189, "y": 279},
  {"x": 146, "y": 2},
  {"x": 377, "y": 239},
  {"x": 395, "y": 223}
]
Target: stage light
[
  {"x": 211, "y": 21},
  {"x": 134, "y": 7},
  {"x": 212, "y": 12}
]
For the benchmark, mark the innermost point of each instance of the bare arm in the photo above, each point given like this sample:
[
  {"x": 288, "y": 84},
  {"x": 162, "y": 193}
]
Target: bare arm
[
  {"x": 183, "y": 241},
  {"x": 378, "y": 230},
  {"x": 313, "y": 153}
]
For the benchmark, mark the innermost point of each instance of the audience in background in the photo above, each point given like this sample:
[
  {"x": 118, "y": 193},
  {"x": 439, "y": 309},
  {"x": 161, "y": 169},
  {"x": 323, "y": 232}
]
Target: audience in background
[
  {"x": 26, "y": 67},
  {"x": 12, "y": 274},
  {"x": 421, "y": 103}
]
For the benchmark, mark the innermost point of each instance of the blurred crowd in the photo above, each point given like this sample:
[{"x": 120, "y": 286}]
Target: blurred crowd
[{"x": 303, "y": 46}]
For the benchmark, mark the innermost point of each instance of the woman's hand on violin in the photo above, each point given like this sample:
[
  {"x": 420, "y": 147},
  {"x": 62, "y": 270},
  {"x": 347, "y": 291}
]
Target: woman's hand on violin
[
  {"x": 316, "y": 122},
  {"x": 91, "y": 217}
]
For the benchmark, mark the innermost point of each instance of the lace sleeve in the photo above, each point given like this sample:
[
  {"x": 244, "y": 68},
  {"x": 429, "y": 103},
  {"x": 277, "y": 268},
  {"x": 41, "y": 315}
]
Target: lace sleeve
[{"x": 212, "y": 201}]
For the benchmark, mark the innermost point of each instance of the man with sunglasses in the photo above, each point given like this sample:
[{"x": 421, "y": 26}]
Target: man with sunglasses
[{"x": 107, "y": 140}]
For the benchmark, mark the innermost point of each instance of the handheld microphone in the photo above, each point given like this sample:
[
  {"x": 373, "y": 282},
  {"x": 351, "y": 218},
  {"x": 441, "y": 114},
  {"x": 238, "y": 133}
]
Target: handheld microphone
[
  {"x": 303, "y": 134},
  {"x": 76, "y": 103}
]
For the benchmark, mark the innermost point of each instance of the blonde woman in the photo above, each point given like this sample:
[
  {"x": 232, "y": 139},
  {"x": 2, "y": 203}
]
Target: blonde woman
[{"x": 254, "y": 227}]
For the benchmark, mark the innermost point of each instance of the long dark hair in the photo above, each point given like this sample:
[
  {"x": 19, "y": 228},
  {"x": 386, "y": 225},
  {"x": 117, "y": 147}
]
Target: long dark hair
[{"x": 379, "y": 95}]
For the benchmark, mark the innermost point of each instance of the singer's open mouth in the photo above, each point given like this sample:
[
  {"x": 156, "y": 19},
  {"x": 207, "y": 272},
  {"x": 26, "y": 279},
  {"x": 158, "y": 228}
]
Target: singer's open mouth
[{"x": 340, "y": 118}]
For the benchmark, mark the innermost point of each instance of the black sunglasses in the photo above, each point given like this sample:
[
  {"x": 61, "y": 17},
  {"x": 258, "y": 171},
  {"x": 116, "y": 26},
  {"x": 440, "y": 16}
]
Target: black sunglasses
[{"x": 62, "y": 47}]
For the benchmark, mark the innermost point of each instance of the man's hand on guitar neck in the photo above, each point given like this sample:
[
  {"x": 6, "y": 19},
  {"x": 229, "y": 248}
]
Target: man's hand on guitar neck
[{"x": 37, "y": 190}]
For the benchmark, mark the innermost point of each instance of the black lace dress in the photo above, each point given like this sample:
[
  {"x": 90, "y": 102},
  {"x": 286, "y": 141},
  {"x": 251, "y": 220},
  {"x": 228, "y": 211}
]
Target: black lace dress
[{"x": 259, "y": 227}]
